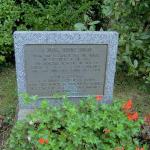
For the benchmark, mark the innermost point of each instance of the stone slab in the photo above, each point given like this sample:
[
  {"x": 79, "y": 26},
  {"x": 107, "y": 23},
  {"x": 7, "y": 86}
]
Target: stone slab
[{"x": 34, "y": 47}]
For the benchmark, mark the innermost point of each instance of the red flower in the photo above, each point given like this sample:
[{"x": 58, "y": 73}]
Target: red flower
[
  {"x": 127, "y": 105},
  {"x": 99, "y": 97},
  {"x": 46, "y": 141},
  {"x": 133, "y": 116},
  {"x": 41, "y": 141}
]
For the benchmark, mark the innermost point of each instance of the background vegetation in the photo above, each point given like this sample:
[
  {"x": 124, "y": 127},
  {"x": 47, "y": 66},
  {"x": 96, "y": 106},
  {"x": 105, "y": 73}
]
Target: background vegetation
[
  {"x": 131, "y": 18},
  {"x": 38, "y": 15}
]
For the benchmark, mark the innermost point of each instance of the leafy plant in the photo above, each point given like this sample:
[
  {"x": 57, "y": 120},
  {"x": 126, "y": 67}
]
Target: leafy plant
[
  {"x": 88, "y": 125},
  {"x": 133, "y": 24},
  {"x": 131, "y": 18},
  {"x": 88, "y": 25},
  {"x": 9, "y": 14}
]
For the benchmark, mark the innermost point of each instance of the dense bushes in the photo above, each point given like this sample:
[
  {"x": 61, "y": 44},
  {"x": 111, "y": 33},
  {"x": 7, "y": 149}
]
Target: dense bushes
[
  {"x": 9, "y": 14},
  {"x": 71, "y": 127},
  {"x": 131, "y": 18},
  {"x": 39, "y": 15}
]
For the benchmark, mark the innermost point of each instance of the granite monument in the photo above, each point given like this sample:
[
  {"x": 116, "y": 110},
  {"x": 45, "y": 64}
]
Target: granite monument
[{"x": 77, "y": 63}]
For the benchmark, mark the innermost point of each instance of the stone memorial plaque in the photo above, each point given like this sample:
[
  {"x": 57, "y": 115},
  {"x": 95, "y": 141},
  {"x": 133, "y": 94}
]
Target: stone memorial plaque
[
  {"x": 75, "y": 63},
  {"x": 77, "y": 70}
]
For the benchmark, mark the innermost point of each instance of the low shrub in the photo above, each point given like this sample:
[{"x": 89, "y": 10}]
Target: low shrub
[{"x": 76, "y": 127}]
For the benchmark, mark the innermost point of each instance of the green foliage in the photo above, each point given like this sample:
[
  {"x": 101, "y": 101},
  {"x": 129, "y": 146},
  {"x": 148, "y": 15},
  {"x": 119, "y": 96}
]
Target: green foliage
[
  {"x": 38, "y": 15},
  {"x": 9, "y": 14},
  {"x": 131, "y": 18},
  {"x": 133, "y": 24},
  {"x": 28, "y": 99},
  {"x": 72, "y": 127},
  {"x": 88, "y": 25}
]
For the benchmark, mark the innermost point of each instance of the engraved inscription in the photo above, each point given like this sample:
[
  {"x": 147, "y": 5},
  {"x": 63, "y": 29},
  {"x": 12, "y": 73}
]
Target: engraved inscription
[{"x": 78, "y": 70}]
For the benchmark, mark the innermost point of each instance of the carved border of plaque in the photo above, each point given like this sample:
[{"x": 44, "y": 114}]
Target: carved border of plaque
[{"x": 22, "y": 38}]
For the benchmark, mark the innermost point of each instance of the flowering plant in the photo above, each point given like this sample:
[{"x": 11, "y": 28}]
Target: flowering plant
[
  {"x": 88, "y": 125},
  {"x": 128, "y": 109}
]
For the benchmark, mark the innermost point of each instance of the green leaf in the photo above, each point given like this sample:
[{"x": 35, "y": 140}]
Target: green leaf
[
  {"x": 86, "y": 18},
  {"x": 80, "y": 27},
  {"x": 2, "y": 59},
  {"x": 145, "y": 36},
  {"x": 135, "y": 63},
  {"x": 94, "y": 23},
  {"x": 44, "y": 104}
]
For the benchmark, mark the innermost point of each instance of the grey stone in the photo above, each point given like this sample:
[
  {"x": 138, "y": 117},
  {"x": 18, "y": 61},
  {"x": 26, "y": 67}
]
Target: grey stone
[{"x": 25, "y": 41}]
